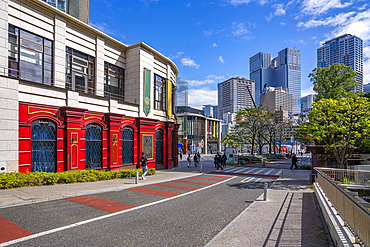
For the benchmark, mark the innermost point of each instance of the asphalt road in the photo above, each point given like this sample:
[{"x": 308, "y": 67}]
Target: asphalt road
[{"x": 191, "y": 218}]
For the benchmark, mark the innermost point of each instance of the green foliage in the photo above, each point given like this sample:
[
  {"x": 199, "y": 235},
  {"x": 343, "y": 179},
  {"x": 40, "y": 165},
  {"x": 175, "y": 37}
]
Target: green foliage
[
  {"x": 305, "y": 167},
  {"x": 333, "y": 82},
  {"x": 229, "y": 141},
  {"x": 17, "y": 179},
  {"x": 342, "y": 125}
]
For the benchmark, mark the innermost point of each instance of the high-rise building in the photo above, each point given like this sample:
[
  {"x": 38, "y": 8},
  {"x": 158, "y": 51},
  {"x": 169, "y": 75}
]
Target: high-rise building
[
  {"x": 216, "y": 113},
  {"x": 366, "y": 88},
  {"x": 182, "y": 92},
  {"x": 233, "y": 95},
  {"x": 208, "y": 110},
  {"x": 277, "y": 98},
  {"x": 77, "y": 8},
  {"x": 306, "y": 103},
  {"x": 282, "y": 71},
  {"x": 346, "y": 49}
]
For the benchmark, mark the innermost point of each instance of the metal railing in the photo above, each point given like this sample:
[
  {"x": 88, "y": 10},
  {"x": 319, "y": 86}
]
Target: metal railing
[{"x": 354, "y": 211}]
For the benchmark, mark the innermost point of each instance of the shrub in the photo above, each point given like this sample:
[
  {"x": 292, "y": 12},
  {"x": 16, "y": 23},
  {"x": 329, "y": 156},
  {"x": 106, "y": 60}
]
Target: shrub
[{"x": 17, "y": 179}]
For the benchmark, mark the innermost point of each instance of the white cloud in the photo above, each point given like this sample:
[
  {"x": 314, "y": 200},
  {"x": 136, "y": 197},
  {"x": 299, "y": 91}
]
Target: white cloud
[
  {"x": 239, "y": 30},
  {"x": 214, "y": 45},
  {"x": 362, "y": 7},
  {"x": 203, "y": 96},
  {"x": 339, "y": 19},
  {"x": 318, "y": 7},
  {"x": 189, "y": 62},
  {"x": 207, "y": 33},
  {"x": 216, "y": 77},
  {"x": 282, "y": 23},
  {"x": 199, "y": 82},
  {"x": 221, "y": 59},
  {"x": 235, "y": 3},
  {"x": 279, "y": 11},
  {"x": 307, "y": 91},
  {"x": 103, "y": 27},
  {"x": 178, "y": 54}
]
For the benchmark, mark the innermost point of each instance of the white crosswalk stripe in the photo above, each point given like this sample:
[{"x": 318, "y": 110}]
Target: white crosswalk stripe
[{"x": 253, "y": 171}]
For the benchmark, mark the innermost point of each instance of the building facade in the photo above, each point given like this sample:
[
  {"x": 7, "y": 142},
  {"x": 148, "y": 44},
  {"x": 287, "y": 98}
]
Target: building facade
[
  {"x": 277, "y": 99},
  {"x": 74, "y": 98},
  {"x": 182, "y": 92},
  {"x": 282, "y": 71},
  {"x": 306, "y": 103},
  {"x": 208, "y": 110},
  {"x": 198, "y": 133},
  {"x": 234, "y": 95},
  {"x": 346, "y": 49}
]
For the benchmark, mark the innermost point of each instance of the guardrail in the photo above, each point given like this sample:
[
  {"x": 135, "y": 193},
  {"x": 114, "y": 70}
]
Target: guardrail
[{"x": 354, "y": 211}]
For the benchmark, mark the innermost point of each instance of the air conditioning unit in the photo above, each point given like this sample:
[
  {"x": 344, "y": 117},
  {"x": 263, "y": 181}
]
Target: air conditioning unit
[{"x": 3, "y": 168}]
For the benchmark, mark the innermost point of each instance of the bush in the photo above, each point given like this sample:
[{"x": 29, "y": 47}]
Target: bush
[
  {"x": 305, "y": 167},
  {"x": 17, "y": 179}
]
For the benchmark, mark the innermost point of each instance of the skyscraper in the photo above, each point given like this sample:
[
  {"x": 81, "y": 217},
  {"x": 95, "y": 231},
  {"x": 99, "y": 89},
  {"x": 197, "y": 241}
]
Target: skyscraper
[
  {"x": 346, "y": 49},
  {"x": 277, "y": 98},
  {"x": 233, "y": 95},
  {"x": 182, "y": 92},
  {"x": 307, "y": 102},
  {"x": 282, "y": 71}
]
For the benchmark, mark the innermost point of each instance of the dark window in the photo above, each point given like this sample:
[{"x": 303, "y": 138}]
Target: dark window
[
  {"x": 93, "y": 146},
  {"x": 159, "y": 147},
  {"x": 159, "y": 92},
  {"x": 113, "y": 82},
  {"x": 29, "y": 56},
  {"x": 127, "y": 146},
  {"x": 80, "y": 71},
  {"x": 43, "y": 146}
]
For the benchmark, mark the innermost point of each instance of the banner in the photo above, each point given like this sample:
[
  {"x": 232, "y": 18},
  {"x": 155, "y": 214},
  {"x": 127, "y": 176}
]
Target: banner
[
  {"x": 147, "y": 92},
  {"x": 169, "y": 99}
]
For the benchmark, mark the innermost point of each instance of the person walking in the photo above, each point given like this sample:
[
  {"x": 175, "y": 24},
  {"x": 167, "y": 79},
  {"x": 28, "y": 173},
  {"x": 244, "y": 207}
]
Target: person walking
[
  {"x": 216, "y": 160},
  {"x": 196, "y": 159},
  {"x": 143, "y": 161},
  {"x": 189, "y": 160},
  {"x": 294, "y": 162},
  {"x": 223, "y": 160}
]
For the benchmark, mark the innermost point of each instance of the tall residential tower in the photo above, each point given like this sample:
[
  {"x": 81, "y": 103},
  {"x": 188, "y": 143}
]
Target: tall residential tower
[{"x": 346, "y": 49}]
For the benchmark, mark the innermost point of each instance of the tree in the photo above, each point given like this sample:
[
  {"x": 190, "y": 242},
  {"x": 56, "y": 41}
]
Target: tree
[
  {"x": 228, "y": 141},
  {"x": 333, "y": 82},
  {"x": 342, "y": 125}
]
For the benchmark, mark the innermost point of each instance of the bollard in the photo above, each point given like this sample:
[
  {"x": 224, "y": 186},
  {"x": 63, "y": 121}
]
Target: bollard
[
  {"x": 200, "y": 169},
  {"x": 265, "y": 192},
  {"x": 282, "y": 173},
  {"x": 137, "y": 178}
]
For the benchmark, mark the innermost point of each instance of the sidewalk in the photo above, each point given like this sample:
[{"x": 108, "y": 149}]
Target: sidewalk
[{"x": 289, "y": 217}]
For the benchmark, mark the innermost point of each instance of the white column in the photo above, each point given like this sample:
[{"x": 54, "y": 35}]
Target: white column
[
  {"x": 3, "y": 36},
  {"x": 60, "y": 52},
  {"x": 99, "y": 63},
  {"x": 205, "y": 137}
]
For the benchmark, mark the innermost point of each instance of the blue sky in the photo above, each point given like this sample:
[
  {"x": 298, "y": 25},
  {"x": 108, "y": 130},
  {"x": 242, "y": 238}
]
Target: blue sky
[{"x": 211, "y": 41}]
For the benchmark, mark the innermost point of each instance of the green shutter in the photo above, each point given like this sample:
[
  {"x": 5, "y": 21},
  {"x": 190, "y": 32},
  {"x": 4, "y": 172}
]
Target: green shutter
[{"x": 147, "y": 92}]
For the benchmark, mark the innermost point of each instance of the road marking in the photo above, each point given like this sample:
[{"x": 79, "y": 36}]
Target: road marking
[
  {"x": 99, "y": 203},
  {"x": 176, "y": 186},
  {"x": 10, "y": 231},
  {"x": 154, "y": 191},
  {"x": 102, "y": 217}
]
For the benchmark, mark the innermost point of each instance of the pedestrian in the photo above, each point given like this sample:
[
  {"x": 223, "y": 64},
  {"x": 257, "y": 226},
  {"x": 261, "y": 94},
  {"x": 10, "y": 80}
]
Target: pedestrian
[
  {"x": 180, "y": 154},
  {"x": 196, "y": 159},
  {"x": 215, "y": 160},
  {"x": 223, "y": 160},
  {"x": 143, "y": 161},
  {"x": 219, "y": 161},
  {"x": 189, "y": 160},
  {"x": 294, "y": 162}
]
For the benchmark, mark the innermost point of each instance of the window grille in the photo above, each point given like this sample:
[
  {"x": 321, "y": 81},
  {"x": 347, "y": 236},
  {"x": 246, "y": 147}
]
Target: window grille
[
  {"x": 127, "y": 145},
  {"x": 93, "y": 146},
  {"x": 43, "y": 146},
  {"x": 159, "y": 147}
]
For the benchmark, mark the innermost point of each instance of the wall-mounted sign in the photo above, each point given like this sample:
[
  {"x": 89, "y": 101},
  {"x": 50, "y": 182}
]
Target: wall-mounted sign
[{"x": 148, "y": 146}]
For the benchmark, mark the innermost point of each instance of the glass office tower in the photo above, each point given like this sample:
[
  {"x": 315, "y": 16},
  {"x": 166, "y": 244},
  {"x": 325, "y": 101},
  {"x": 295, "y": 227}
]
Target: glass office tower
[{"x": 182, "y": 92}]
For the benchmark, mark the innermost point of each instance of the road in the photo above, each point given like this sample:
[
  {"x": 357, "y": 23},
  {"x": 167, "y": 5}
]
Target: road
[{"x": 185, "y": 212}]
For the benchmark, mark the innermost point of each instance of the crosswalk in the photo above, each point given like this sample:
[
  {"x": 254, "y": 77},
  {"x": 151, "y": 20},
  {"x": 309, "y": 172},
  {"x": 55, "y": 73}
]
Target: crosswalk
[{"x": 251, "y": 171}]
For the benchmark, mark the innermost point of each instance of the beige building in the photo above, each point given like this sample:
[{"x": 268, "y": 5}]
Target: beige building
[
  {"x": 277, "y": 98},
  {"x": 70, "y": 82}
]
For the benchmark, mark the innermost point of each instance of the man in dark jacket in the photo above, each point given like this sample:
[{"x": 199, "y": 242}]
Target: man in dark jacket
[
  {"x": 294, "y": 162},
  {"x": 143, "y": 161}
]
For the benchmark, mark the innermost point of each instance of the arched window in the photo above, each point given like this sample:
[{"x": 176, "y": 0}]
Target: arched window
[
  {"x": 43, "y": 146},
  {"x": 159, "y": 147},
  {"x": 127, "y": 145},
  {"x": 93, "y": 146}
]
